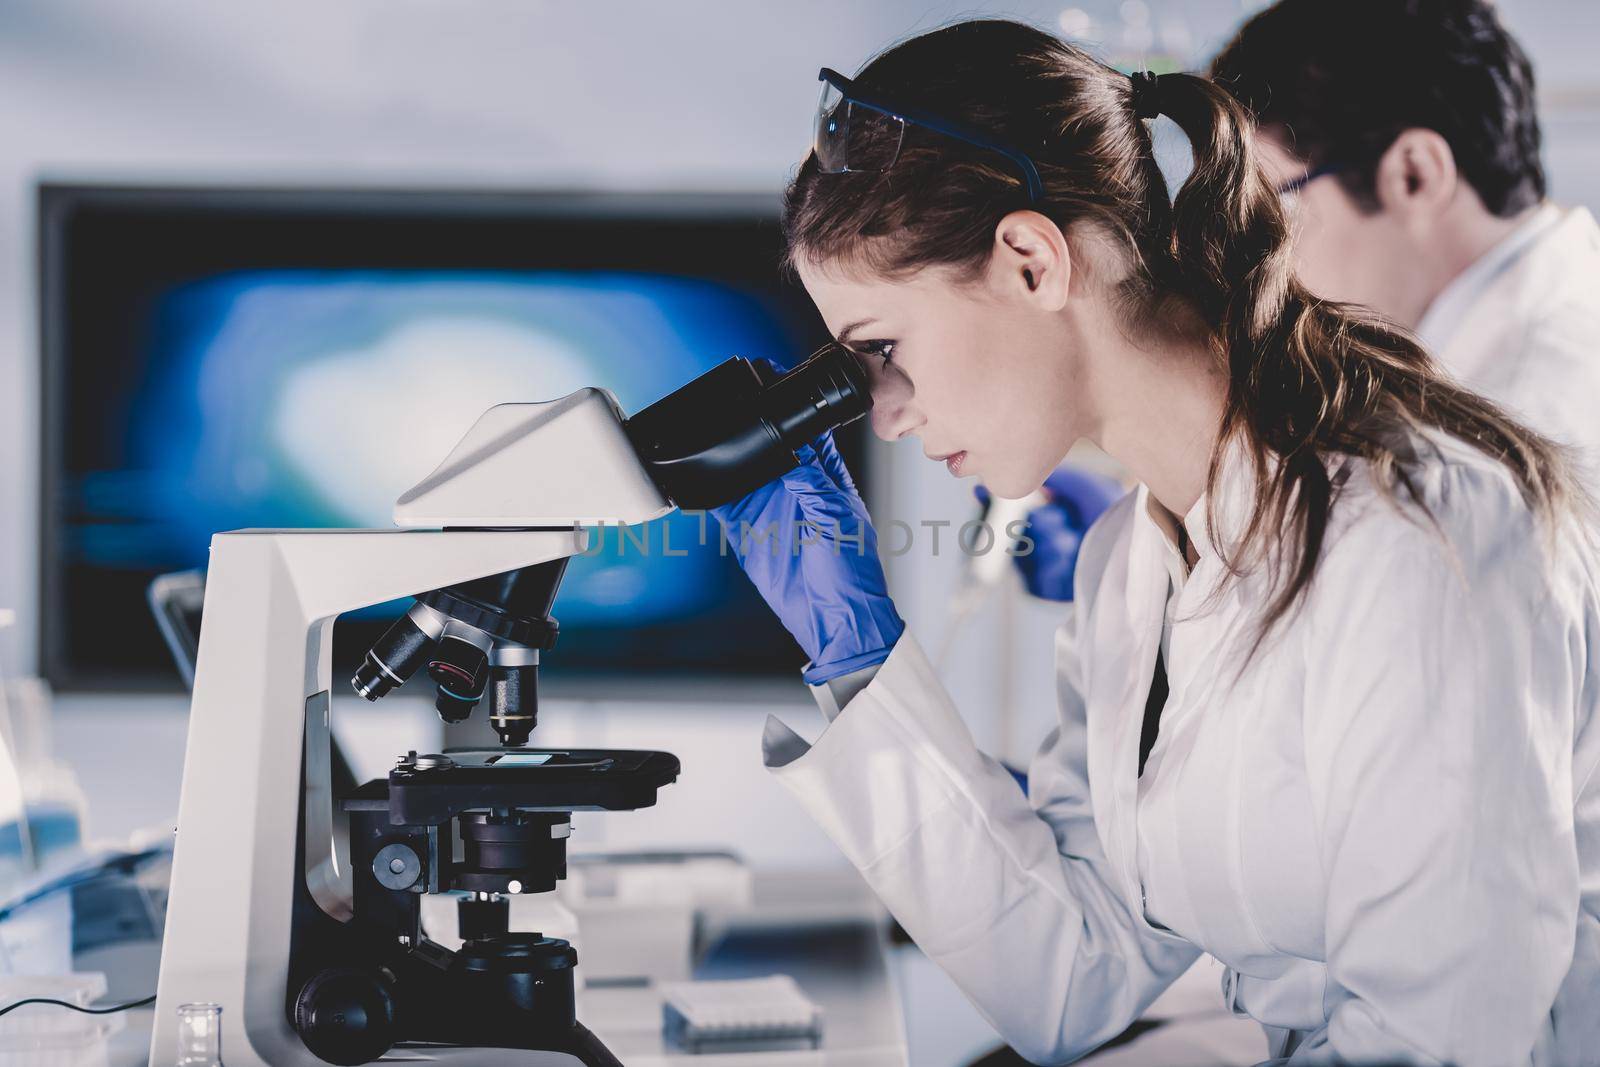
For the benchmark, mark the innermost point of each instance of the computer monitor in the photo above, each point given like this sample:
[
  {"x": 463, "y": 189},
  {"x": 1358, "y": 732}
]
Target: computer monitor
[{"x": 217, "y": 359}]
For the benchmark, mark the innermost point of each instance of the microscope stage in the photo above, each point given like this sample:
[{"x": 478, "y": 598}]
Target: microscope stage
[{"x": 428, "y": 789}]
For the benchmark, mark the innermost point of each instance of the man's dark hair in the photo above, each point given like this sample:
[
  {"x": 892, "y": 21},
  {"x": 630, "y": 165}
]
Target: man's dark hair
[{"x": 1341, "y": 79}]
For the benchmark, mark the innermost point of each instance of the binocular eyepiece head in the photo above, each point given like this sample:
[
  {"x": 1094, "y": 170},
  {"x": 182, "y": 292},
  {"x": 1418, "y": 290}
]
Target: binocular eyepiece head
[{"x": 722, "y": 436}]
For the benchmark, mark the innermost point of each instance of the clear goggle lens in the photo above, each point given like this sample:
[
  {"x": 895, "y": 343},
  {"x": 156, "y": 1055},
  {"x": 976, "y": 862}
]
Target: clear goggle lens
[{"x": 851, "y": 138}]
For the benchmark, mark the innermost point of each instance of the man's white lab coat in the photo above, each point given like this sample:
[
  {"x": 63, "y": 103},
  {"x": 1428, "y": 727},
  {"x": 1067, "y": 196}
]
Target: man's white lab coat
[
  {"x": 1522, "y": 327},
  {"x": 1385, "y": 821}
]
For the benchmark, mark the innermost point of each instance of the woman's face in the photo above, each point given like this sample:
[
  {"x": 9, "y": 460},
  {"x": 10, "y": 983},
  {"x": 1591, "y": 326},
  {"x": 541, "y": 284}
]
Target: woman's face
[{"x": 981, "y": 371}]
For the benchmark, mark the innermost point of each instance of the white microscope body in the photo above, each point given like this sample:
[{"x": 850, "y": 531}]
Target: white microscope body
[
  {"x": 267, "y": 904},
  {"x": 526, "y": 479}
]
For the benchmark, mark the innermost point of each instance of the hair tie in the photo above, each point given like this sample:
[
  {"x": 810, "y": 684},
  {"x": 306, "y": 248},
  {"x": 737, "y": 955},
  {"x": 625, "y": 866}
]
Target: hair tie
[{"x": 1146, "y": 94}]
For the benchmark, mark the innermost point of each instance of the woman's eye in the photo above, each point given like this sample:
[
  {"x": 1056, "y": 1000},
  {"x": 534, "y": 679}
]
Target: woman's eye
[{"x": 884, "y": 350}]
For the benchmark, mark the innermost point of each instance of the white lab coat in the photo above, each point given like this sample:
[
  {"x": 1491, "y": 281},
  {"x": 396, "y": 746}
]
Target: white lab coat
[
  {"x": 1522, "y": 327},
  {"x": 1385, "y": 823}
]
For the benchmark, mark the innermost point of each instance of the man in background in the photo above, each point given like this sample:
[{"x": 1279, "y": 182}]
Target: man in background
[{"x": 1405, "y": 143}]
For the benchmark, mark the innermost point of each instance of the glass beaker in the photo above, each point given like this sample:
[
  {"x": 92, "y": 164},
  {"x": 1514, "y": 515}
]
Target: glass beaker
[{"x": 199, "y": 1035}]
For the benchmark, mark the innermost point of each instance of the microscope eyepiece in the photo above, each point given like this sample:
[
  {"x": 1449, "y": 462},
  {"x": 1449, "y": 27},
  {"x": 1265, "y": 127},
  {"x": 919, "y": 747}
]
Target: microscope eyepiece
[
  {"x": 737, "y": 426},
  {"x": 827, "y": 390}
]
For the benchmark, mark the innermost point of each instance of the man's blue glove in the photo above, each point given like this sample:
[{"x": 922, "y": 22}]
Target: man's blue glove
[
  {"x": 807, "y": 543},
  {"x": 1077, "y": 498}
]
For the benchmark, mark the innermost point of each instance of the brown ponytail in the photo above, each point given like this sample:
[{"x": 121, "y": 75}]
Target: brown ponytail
[{"x": 1307, "y": 379}]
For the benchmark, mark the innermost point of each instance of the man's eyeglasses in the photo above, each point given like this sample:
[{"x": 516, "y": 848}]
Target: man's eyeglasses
[
  {"x": 859, "y": 132},
  {"x": 1294, "y": 185}
]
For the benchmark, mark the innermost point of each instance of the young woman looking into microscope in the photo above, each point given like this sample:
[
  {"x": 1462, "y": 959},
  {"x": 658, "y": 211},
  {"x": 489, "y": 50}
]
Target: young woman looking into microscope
[{"x": 1327, "y": 695}]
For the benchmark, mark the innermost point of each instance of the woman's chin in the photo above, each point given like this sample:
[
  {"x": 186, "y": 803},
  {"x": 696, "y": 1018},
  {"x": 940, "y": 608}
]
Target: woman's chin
[{"x": 1009, "y": 488}]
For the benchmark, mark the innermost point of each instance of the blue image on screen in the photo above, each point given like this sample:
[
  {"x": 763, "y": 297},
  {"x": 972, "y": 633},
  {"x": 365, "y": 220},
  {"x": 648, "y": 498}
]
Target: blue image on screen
[{"x": 310, "y": 398}]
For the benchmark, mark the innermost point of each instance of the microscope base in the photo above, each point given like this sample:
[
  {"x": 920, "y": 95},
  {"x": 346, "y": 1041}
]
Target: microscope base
[{"x": 512, "y": 992}]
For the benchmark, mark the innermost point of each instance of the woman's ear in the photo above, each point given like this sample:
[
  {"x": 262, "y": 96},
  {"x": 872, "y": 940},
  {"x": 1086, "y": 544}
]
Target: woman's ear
[{"x": 1031, "y": 260}]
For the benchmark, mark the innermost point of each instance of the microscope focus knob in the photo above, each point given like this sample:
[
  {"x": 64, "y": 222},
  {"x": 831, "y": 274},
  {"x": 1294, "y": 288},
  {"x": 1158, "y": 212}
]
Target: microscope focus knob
[{"x": 346, "y": 1016}]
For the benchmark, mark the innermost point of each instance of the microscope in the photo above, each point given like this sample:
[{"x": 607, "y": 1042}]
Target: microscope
[{"x": 299, "y": 911}]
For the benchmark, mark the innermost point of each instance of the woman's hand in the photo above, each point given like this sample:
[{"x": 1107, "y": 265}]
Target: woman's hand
[{"x": 807, "y": 543}]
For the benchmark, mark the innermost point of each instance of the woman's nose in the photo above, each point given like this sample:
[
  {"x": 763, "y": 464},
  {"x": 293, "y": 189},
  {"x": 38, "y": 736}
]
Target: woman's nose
[{"x": 893, "y": 414}]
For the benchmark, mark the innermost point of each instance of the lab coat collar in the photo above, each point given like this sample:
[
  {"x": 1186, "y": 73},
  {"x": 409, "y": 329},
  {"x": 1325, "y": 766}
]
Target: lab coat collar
[
  {"x": 1449, "y": 309},
  {"x": 1228, "y": 506}
]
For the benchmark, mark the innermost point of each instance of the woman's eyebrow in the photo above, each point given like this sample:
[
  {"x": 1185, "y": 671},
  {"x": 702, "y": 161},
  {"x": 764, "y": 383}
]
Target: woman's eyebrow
[{"x": 844, "y": 334}]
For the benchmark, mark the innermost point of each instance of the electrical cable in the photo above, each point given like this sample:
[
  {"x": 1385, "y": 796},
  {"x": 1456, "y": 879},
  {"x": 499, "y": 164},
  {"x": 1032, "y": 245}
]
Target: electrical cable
[{"x": 75, "y": 1007}]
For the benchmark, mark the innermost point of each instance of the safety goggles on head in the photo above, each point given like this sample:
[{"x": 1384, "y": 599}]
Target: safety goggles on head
[{"x": 860, "y": 133}]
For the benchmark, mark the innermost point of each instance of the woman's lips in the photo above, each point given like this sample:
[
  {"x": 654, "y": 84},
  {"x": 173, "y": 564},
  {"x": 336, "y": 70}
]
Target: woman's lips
[{"x": 953, "y": 462}]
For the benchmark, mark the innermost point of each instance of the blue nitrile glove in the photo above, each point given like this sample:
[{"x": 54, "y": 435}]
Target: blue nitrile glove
[
  {"x": 1077, "y": 498},
  {"x": 807, "y": 543}
]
